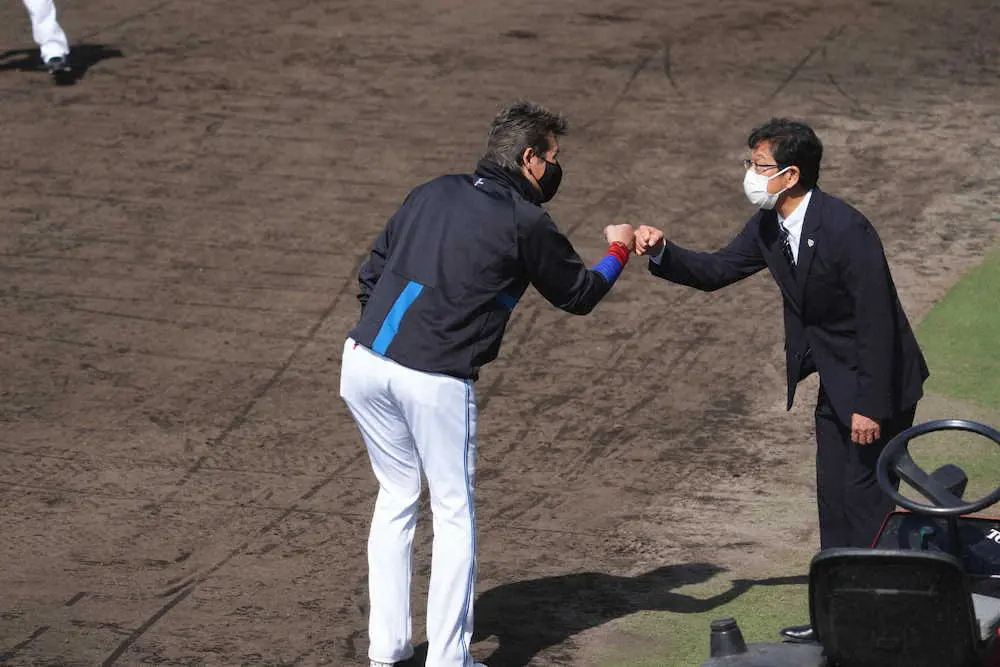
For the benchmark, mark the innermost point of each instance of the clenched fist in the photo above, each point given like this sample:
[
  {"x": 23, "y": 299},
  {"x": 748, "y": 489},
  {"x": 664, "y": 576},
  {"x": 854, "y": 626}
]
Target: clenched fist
[
  {"x": 864, "y": 431},
  {"x": 622, "y": 234},
  {"x": 648, "y": 241}
]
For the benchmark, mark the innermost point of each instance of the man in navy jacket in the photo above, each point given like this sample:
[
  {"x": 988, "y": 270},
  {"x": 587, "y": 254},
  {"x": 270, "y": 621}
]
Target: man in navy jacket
[
  {"x": 843, "y": 319},
  {"x": 436, "y": 293}
]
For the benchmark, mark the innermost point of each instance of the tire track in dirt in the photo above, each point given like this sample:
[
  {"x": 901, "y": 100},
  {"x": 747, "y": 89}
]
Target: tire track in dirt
[
  {"x": 14, "y": 650},
  {"x": 248, "y": 407},
  {"x": 235, "y": 423},
  {"x": 77, "y": 455},
  {"x": 187, "y": 586},
  {"x": 172, "y": 266},
  {"x": 121, "y": 236},
  {"x": 821, "y": 46},
  {"x": 131, "y": 18},
  {"x": 283, "y": 310},
  {"x": 233, "y": 505},
  {"x": 606, "y": 436},
  {"x": 231, "y": 286},
  {"x": 145, "y": 353}
]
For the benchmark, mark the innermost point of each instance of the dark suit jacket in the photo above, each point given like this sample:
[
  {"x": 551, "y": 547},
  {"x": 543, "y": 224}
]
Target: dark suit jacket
[{"x": 842, "y": 312}]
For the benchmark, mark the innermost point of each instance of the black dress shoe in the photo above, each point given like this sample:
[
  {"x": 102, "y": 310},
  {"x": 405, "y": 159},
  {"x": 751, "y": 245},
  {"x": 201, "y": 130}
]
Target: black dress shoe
[
  {"x": 800, "y": 634},
  {"x": 60, "y": 70}
]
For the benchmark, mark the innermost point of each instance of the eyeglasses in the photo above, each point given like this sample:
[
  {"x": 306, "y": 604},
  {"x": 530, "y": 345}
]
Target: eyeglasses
[{"x": 750, "y": 163}]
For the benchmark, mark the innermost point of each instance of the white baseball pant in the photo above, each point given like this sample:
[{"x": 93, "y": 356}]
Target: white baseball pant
[
  {"x": 45, "y": 29},
  {"x": 413, "y": 421}
]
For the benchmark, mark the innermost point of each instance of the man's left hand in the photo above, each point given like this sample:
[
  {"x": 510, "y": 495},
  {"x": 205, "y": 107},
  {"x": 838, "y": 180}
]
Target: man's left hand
[{"x": 864, "y": 431}]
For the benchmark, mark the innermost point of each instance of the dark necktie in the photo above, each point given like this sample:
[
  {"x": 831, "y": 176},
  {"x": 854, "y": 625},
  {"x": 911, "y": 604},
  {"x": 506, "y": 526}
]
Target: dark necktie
[{"x": 786, "y": 247}]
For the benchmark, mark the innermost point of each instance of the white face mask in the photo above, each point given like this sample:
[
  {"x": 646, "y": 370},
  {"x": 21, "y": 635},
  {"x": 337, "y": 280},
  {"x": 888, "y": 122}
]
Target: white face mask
[{"x": 755, "y": 188}]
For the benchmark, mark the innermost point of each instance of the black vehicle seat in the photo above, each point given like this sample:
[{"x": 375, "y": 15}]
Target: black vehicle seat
[{"x": 891, "y": 608}]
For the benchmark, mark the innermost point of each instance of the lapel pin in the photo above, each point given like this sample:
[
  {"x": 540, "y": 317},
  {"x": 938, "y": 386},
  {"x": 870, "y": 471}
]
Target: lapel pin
[{"x": 810, "y": 243}]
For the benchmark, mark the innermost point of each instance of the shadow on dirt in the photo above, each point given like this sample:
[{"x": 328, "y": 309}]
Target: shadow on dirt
[
  {"x": 528, "y": 617},
  {"x": 82, "y": 57}
]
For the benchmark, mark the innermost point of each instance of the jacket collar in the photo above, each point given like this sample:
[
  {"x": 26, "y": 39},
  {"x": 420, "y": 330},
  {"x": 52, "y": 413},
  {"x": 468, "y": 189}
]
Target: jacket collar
[
  {"x": 782, "y": 271},
  {"x": 807, "y": 241},
  {"x": 513, "y": 179},
  {"x": 793, "y": 284}
]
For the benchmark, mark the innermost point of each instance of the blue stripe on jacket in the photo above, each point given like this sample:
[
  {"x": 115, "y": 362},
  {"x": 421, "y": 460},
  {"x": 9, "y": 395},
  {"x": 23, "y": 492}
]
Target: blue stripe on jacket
[
  {"x": 390, "y": 326},
  {"x": 506, "y": 300}
]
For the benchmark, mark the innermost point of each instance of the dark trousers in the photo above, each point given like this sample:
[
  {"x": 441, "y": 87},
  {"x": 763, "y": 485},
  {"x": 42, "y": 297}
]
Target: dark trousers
[{"x": 852, "y": 506}]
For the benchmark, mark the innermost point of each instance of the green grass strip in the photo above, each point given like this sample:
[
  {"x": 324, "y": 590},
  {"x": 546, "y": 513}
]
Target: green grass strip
[{"x": 961, "y": 337}]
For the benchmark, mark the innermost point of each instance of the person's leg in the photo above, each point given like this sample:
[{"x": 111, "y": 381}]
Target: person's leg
[
  {"x": 441, "y": 412},
  {"x": 865, "y": 503},
  {"x": 833, "y": 440},
  {"x": 365, "y": 387},
  {"x": 831, "y": 461},
  {"x": 46, "y": 30}
]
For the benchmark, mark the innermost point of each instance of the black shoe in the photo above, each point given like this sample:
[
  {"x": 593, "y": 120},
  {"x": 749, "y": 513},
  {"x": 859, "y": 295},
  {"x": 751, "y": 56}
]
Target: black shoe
[
  {"x": 799, "y": 634},
  {"x": 60, "y": 70}
]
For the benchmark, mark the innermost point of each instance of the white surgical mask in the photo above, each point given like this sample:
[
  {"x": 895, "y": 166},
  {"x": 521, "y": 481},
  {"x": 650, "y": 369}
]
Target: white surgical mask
[{"x": 755, "y": 188}]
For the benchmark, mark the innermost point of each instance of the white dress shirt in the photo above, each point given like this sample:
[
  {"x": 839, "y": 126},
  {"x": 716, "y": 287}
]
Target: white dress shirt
[{"x": 793, "y": 224}]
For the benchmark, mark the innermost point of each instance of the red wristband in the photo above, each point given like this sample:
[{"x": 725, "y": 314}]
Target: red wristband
[{"x": 619, "y": 251}]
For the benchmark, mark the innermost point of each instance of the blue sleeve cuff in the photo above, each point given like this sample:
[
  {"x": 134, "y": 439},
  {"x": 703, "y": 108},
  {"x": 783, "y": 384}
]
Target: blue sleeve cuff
[{"x": 609, "y": 268}]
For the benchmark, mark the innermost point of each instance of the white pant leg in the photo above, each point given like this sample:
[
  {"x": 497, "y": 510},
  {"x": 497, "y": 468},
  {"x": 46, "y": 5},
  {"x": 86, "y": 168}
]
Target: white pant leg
[
  {"x": 441, "y": 413},
  {"x": 365, "y": 387},
  {"x": 46, "y": 30}
]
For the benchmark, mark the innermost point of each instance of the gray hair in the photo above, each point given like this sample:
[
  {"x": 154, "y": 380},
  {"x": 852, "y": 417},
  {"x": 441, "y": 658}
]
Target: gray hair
[{"x": 518, "y": 126}]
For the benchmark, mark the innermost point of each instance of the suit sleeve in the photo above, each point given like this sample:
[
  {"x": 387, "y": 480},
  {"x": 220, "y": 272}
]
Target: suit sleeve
[
  {"x": 869, "y": 283},
  {"x": 710, "y": 271},
  {"x": 556, "y": 270}
]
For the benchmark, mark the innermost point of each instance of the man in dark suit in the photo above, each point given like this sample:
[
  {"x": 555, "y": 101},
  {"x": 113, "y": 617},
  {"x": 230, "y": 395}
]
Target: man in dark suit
[{"x": 843, "y": 320}]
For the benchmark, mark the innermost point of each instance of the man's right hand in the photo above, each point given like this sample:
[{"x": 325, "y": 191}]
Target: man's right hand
[
  {"x": 648, "y": 241},
  {"x": 623, "y": 234}
]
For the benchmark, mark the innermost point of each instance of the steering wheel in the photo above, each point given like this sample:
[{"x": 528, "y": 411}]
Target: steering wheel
[{"x": 896, "y": 457}]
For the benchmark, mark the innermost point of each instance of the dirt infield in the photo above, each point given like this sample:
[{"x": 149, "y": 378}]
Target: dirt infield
[{"x": 179, "y": 235}]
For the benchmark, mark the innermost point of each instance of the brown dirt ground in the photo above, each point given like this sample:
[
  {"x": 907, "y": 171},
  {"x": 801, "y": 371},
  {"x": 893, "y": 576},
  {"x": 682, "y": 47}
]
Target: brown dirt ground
[{"x": 180, "y": 232}]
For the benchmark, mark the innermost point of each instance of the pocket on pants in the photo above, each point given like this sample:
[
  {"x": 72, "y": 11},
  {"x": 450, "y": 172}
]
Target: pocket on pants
[{"x": 348, "y": 364}]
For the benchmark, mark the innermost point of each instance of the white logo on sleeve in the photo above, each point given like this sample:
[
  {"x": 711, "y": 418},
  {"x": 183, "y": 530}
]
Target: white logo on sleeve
[{"x": 478, "y": 182}]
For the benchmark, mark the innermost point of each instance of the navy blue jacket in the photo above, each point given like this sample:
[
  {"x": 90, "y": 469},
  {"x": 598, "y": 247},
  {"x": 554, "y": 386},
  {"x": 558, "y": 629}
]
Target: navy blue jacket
[
  {"x": 451, "y": 264},
  {"x": 843, "y": 317}
]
